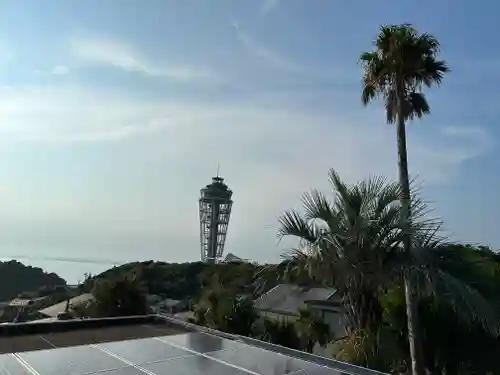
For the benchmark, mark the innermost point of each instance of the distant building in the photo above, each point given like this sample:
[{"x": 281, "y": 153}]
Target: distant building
[
  {"x": 230, "y": 258},
  {"x": 170, "y": 306},
  {"x": 25, "y": 302},
  {"x": 55, "y": 310},
  {"x": 153, "y": 299},
  {"x": 284, "y": 302}
]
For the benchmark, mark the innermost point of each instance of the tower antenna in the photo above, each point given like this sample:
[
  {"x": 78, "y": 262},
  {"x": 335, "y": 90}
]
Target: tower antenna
[{"x": 218, "y": 167}]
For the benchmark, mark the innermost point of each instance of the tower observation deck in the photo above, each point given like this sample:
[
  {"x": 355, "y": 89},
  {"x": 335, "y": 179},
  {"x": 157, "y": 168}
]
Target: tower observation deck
[{"x": 215, "y": 211}]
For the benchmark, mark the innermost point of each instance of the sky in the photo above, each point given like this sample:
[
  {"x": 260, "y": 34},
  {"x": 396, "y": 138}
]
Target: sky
[{"x": 113, "y": 115}]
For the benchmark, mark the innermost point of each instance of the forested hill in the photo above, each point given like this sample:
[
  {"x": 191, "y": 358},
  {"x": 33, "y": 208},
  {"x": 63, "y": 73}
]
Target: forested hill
[
  {"x": 479, "y": 266},
  {"x": 185, "y": 280},
  {"x": 16, "y": 278}
]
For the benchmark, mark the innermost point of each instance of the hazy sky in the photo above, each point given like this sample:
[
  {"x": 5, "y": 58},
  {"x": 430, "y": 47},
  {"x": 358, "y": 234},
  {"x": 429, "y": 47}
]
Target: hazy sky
[{"x": 113, "y": 114}]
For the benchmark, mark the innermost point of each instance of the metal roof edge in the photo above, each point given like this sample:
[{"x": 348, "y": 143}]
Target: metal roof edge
[{"x": 308, "y": 357}]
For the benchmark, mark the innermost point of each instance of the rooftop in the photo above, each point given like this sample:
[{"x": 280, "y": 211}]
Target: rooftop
[
  {"x": 18, "y": 302},
  {"x": 289, "y": 299},
  {"x": 153, "y": 345},
  {"x": 54, "y": 310}
]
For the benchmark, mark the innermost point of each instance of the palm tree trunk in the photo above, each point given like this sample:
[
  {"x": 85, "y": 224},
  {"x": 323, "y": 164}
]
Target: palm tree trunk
[{"x": 411, "y": 303}]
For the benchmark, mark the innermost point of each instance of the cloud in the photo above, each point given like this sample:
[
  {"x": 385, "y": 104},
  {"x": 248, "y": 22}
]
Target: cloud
[
  {"x": 268, "y": 6},
  {"x": 266, "y": 54},
  {"x": 60, "y": 70},
  {"x": 108, "y": 52},
  {"x": 467, "y": 131},
  {"x": 477, "y": 138},
  {"x": 124, "y": 178},
  {"x": 271, "y": 58}
]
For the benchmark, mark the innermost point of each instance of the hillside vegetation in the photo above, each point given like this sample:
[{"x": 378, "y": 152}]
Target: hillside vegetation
[
  {"x": 16, "y": 278},
  {"x": 186, "y": 280}
]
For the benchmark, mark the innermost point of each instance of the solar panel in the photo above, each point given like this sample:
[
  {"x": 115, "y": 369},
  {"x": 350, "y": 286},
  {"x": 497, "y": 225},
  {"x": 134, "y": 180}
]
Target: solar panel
[
  {"x": 143, "y": 350},
  {"x": 186, "y": 354},
  {"x": 200, "y": 342},
  {"x": 9, "y": 365},
  {"x": 195, "y": 365},
  {"x": 260, "y": 361},
  {"x": 71, "y": 360},
  {"x": 129, "y": 370}
]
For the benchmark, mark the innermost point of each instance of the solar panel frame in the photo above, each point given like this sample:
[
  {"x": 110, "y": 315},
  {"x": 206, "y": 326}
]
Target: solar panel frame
[
  {"x": 9, "y": 364},
  {"x": 193, "y": 353},
  {"x": 194, "y": 365},
  {"x": 69, "y": 360},
  {"x": 261, "y": 361},
  {"x": 200, "y": 342},
  {"x": 142, "y": 351}
]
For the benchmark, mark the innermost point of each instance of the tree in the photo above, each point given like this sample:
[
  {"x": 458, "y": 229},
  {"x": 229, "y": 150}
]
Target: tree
[
  {"x": 279, "y": 332},
  {"x": 402, "y": 63},
  {"x": 351, "y": 244},
  {"x": 452, "y": 345},
  {"x": 377, "y": 350},
  {"x": 311, "y": 330},
  {"x": 239, "y": 320},
  {"x": 355, "y": 245},
  {"x": 122, "y": 297},
  {"x": 221, "y": 309}
]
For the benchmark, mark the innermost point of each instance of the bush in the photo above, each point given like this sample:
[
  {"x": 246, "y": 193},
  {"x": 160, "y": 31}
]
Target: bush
[{"x": 279, "y": 332}]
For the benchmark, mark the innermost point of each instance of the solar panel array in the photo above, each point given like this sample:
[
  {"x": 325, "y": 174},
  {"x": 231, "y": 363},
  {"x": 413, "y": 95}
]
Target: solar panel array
[{"x": 186, "y": 354}]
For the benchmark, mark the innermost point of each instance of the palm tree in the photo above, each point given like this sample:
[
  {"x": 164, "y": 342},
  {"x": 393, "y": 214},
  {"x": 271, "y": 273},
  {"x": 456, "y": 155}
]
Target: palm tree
[
  {"x": 355, "y": 245},
  {"x": 401, "y": 64},
  {"x": 350, "y": 243}
]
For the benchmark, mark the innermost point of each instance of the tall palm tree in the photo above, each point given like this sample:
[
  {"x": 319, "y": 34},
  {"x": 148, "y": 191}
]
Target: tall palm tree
[
  {"x": 402, "y": 63},
  {"x": 355, "y": 245}
]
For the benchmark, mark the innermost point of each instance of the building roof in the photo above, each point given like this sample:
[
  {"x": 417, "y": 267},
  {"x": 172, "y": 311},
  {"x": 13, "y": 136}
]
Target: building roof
[
  {"x": 169, "y": 302},
  {"x": 18, "y": 302},
  {"x": 230, "y": 257},
  {"x": 156, "y": 347},
  {"x": 54, "y": 310},
  {"x": 289, "y": 299}
]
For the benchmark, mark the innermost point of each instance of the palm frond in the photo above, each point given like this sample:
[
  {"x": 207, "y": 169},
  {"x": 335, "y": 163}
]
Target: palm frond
[
  {"x": 417, "y": 106},
  {"x": 465, "y": 301},
  {"x": 316, "y": 206},
  {"x": 355, "y": 244},
  {"x": 402, "y": 57},
  {"x": 293, "y": 224}
]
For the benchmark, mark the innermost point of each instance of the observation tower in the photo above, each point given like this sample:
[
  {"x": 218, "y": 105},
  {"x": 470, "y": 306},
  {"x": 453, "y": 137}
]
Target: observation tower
[{"x": 215, "y": 211}]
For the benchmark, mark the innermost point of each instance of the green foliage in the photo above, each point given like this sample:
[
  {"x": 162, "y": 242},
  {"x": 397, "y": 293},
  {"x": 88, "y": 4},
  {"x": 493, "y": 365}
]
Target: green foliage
[
  {"x": 452, "y": 343},
  {"x": 402, "y": 63},
  {"x": 122, "y": 297},
  {"x": 279, "y": 332},
  {"x": 184, "y": 280},
  {"x": 377, "y": 350},
  {"x": 311, "y": 330},
  {"x": 223, "y": 310},
  {"x": 241, "y": 317},
  {"x": 17, "y": 278},
  {"x": 353, "y": 244}
]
